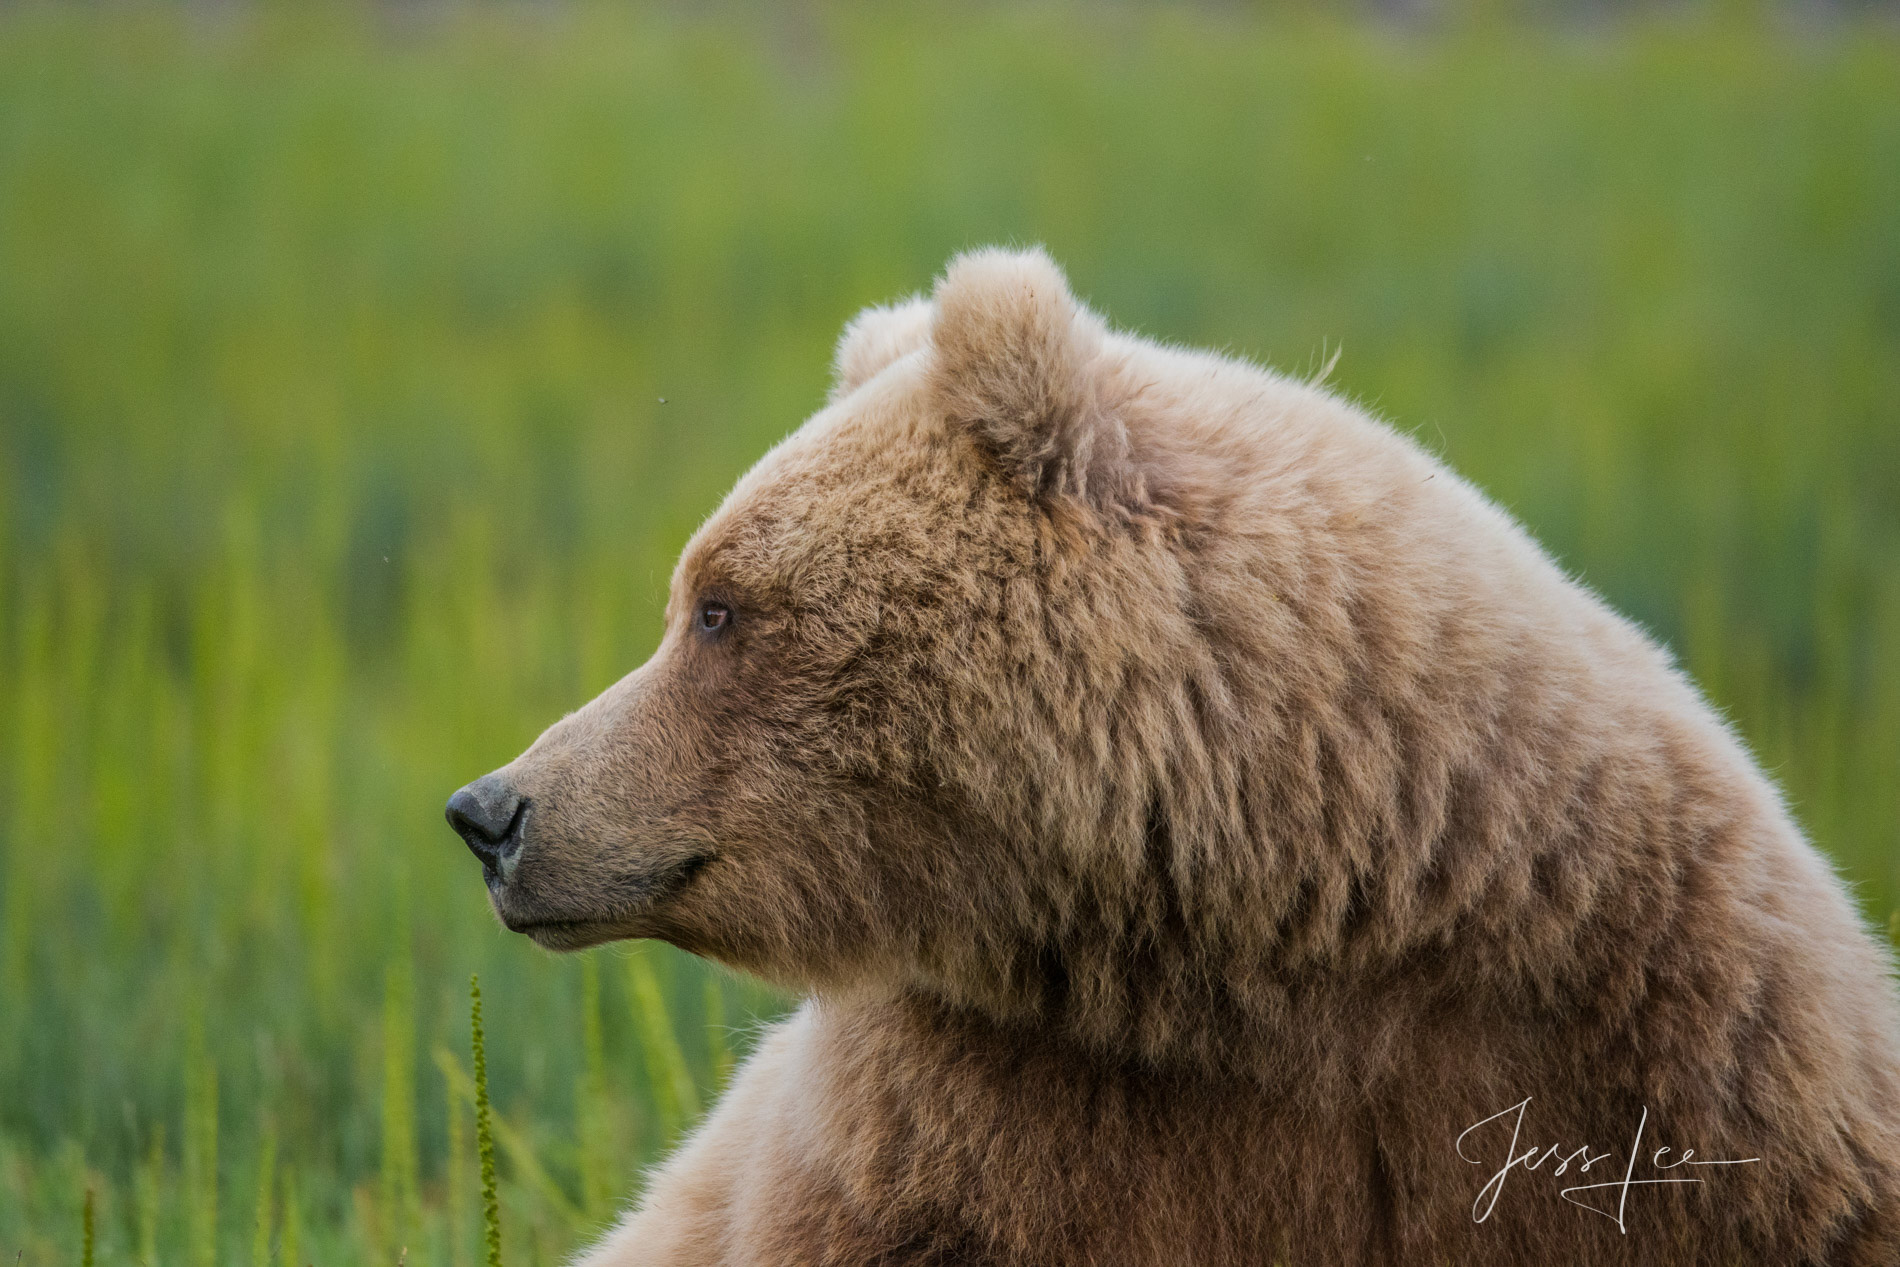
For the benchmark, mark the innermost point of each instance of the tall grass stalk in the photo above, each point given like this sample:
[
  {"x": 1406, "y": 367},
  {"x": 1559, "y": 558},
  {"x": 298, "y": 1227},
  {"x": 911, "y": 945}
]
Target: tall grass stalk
[
  {"x": 86, "y": 1231},
  {"x": 529, "y": 1172},
  {"x": 484, "y": 1134}
]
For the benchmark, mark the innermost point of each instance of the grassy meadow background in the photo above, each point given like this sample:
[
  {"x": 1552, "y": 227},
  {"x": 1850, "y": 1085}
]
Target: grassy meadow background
[{"x": 362, "y": 372}]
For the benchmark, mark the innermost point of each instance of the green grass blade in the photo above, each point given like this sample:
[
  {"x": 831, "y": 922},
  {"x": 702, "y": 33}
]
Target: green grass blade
[
  {"x": 147, "y": 1193},
  {"x": 266, "y": 1194},
  {"x": 667, "y": 1071},
  {"x": 400, "y": 1179},
  {"x": 289, "y": 1243},
  {"x": 592, "y": 1104},
  {"x": 456, "y": 1164},
  {"x": 201, "y": 1155}
]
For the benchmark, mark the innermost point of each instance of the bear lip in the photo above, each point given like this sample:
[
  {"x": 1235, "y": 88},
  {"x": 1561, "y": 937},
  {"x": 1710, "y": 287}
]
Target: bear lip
[
  {"x": 566, "y": 934},
  {"x": 577, "y": 932}
]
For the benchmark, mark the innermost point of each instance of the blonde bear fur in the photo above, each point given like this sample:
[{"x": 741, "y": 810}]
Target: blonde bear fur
[{"x": 1190, "y": 809}]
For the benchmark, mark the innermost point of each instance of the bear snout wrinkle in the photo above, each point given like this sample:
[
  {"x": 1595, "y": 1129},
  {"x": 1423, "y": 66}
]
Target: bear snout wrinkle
[{"x": 487, "y": 815}]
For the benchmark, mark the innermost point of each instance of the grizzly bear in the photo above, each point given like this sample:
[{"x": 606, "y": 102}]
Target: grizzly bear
[{"x": 1205, "y": 830}]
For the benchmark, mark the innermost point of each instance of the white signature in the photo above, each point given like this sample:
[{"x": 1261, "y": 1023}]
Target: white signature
[{"x": 1534, "y": 1158}]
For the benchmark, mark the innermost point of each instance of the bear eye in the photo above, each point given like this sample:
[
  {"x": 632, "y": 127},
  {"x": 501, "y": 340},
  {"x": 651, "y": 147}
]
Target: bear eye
[{"x": 714, "y": 617}]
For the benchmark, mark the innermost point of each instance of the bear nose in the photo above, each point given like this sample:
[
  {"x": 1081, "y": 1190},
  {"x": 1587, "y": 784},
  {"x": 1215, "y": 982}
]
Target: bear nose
[{"x": 487, "y": 814}]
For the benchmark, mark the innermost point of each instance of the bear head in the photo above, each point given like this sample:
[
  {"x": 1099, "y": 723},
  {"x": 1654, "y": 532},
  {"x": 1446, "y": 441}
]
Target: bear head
[{"x": 1030, "y": 672}]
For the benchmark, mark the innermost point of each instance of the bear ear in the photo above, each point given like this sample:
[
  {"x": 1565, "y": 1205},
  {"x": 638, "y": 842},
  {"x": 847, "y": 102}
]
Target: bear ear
[
  {"x": 1017, "y": 360},
  {"x": 876, "y": 337}
]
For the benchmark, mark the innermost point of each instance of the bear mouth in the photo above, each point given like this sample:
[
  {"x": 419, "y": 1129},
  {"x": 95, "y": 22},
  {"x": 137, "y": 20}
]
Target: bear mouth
[
  {"x": 628, "y": 916},
  {"x": 567, "y": 934}
]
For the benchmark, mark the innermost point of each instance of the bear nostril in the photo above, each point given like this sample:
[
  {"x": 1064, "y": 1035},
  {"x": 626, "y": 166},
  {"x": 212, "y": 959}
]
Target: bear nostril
[{"x": 487, "y": 815}]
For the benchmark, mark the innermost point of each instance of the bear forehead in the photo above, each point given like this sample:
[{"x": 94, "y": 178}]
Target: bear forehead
[{"x": 877, "y": 473}]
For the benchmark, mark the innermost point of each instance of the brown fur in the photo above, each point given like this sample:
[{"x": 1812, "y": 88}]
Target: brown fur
[{"x": 1190, "y": 807}]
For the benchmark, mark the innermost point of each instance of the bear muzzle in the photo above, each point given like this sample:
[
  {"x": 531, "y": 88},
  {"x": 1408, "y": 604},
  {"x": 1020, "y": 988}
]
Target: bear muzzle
[{"x": 561, "y": 890}]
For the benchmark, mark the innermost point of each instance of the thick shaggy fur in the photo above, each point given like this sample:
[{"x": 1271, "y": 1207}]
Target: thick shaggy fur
[{"x": 1190, "y": 807}]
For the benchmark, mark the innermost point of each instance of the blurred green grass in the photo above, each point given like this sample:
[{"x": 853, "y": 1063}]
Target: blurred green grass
[{"x": 361, "y": 375}]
